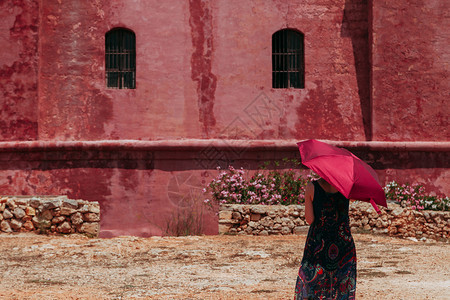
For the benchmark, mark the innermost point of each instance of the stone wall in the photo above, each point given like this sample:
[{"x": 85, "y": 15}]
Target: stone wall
[
  {"x": 45, "y": 214},
  {"x": 279, "y": 219}
]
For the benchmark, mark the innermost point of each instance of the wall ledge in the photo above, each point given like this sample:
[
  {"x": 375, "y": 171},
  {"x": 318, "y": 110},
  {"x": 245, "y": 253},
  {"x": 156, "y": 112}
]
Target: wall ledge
[{"x": 221, "y": 144}]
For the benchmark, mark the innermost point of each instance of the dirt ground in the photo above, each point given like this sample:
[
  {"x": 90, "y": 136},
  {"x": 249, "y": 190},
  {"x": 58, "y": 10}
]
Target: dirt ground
[{"x": 207, "y": 267}]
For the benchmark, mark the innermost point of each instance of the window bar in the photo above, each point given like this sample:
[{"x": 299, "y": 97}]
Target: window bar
[
  {"x": 275, "y": 57},
  {"x": 286, "y": 58}
]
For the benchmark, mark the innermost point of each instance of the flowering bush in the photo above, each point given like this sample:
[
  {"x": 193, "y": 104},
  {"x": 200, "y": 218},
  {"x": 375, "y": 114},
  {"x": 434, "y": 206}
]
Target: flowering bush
[
  {"x": 415, "y": 197},
  {"x": 264, "y": 187},
  {"x": 272, "y": 187}
]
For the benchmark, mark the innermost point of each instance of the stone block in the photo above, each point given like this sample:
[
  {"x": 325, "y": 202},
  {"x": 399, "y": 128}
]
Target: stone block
[
  {"x": 65, "y": 228},
  {"x": 51, "y": 204},
  {"x": 249, "y": 230},
  {"x": 90, "y": 228},
  {"x": 94, "y": 208},
  {"x": 28, "y": 226},
  {"x": 226, "y": 207},
  {"x": 21, "y": 201},
  {"x": 66, "y": 211},
  {"x": 18, "y": 213},
  {"x": 7, "y": 214},
  {"x": 258, "y": 209},
  {"x": 285, "y": 230},
  {"x": 58, "y": 220},
  {"x": 237, "y": 215},
  {"x": 15, "y": 225},
  {"x": 290, "y": 225},
  {"x": 69, "y": 203},
  {"x": 30, "y": 211},
  {"x": 252, "y": 224},
  {"x": 255, "y": 217},
  {"x": 77, "y": 218},
  {"x": 35, "y": 202},
  {"x": 285, "y": 220},
  {"x": 26, "y": 218},
  {"x": 56, "y": 212},
  {"x": 224, "y": 228},
  {"x": 300, "y": 230},
  {"x": 41, "y": 223},
  {"x": 91, "y": 217},
  {"x": 5, "y": 227},
  {"x": 11, "y": 204},
  {"x": 397, "y": 211},
  {"x": 266, "y": 222},
  {"x": 225, "y": 215},
  {"x": 46, "y": 215},
  {"x": 295, "y": 213}
]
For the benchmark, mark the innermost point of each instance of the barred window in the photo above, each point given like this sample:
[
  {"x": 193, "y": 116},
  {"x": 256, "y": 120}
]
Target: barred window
[
  {"x": 288, "y": 59},
  {"x": 120, "y": 59}
]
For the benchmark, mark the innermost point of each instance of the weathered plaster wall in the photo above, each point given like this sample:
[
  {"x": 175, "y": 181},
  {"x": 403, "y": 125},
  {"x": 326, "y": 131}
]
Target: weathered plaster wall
[
  {"x": 247, "y": 107},
  {"x": 18, "y": 70},
  {"x": 75, "y": 104},
  {"x": 203, "y": 71},
  {"x": 141, "y": 193},
  {"x": 410, "y": 59}
]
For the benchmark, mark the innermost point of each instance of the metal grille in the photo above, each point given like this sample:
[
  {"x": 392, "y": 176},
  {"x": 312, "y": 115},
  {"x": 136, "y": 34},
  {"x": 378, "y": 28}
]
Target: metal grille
[
  {"x": 288, "y": 59},
  {"x": 120, "y": 59}
]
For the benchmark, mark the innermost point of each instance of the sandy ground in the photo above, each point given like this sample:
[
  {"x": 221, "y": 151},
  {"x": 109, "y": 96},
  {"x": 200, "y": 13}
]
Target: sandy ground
[{"x": 207, "y": 267}]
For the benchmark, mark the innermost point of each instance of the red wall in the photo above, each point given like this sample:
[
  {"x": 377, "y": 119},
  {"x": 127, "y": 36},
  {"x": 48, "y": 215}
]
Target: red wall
[
  {"x": 410, "y": 70},
  {"x": 18, "y": 70},
  {"x": 201, "y": 65},
  {"x": 75, "y": 102},
  {"x": 374, "y": 71}
]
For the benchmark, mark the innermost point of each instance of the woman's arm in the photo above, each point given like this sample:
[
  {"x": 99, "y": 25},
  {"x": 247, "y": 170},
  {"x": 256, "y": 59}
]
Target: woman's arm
[{"x": 309, "y": 196}]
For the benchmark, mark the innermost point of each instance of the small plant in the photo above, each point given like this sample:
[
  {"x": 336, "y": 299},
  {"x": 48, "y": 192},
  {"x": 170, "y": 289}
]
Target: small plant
[
  {"x": 185, "y": 221},
  {"x": 281, "y": 185},
  {"x": 415, "y": 197},
  {"x": 266, "y": 187}
]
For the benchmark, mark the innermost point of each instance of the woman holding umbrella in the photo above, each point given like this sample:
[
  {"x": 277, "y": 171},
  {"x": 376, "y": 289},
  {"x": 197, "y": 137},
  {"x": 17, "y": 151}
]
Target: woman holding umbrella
[{"x": 328, "y": 268}]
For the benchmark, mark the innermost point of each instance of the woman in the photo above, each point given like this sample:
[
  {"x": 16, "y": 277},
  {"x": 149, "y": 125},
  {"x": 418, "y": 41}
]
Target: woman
[{"x": 328, "y": 268}]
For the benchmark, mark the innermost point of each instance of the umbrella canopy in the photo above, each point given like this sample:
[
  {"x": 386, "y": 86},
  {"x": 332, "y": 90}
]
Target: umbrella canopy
[{"x": 342, "y": 169}]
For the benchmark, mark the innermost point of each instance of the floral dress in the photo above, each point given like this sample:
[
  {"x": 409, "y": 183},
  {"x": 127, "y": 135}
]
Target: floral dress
[{"x": 328, "y": 268}]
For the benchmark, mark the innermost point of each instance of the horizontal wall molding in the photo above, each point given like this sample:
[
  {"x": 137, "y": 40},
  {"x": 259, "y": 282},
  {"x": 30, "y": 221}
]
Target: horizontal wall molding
[{"x": 221, "y": 144}]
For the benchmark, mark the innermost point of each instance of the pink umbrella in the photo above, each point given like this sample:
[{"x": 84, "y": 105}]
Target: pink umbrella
[{"x": 342, "y": 169}]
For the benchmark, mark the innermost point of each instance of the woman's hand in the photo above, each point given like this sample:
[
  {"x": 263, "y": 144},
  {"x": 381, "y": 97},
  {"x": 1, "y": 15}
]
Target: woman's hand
[{"x": 309, "y": 196}]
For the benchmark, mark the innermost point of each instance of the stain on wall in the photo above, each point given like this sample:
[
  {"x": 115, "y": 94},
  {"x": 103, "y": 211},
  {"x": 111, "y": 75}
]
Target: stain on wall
[
  {"x": 18, "y": 70},
  {"x": 201, "y": 62}
]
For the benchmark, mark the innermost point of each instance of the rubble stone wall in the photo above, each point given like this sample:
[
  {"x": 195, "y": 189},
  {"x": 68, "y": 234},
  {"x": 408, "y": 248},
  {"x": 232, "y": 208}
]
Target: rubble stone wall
[
  {"x": 48, "y": 214},
  {"x": 279, "y": 219}
]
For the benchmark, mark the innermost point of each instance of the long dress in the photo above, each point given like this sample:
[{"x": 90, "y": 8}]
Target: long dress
[{"x": 328, "y": 267}]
